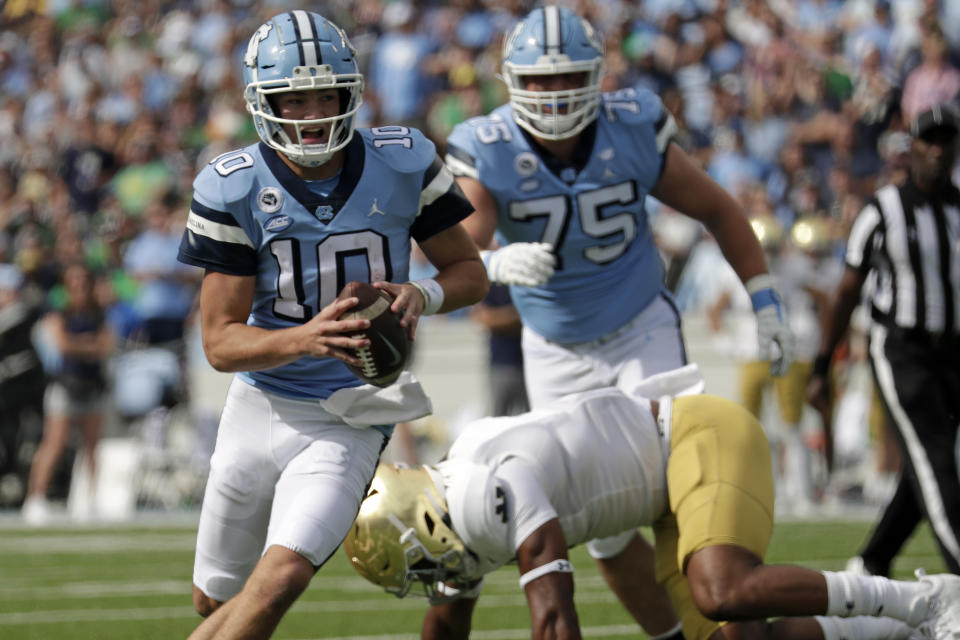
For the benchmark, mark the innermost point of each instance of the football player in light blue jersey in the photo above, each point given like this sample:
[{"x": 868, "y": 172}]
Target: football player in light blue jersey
[
  {"x": 280, "y": 227},
  {"x": 561, "y": 174}
]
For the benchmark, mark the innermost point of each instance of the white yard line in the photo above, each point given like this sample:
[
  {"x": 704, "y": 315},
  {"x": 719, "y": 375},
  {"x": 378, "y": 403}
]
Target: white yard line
[
  {"x": 61, "y": 616},
  {"x": 92, "y": 543},
  {"x": 499, "y": 634}
]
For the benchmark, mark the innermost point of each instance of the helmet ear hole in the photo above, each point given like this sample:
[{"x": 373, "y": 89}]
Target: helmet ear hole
[{"x": 431, "y": 525}]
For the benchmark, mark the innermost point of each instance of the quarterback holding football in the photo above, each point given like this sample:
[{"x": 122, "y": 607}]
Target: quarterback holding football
[{"x": 279, "y": 228}]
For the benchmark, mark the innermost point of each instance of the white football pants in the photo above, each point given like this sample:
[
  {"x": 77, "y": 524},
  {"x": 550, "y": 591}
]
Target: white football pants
[{"x": 284, "y": 472}]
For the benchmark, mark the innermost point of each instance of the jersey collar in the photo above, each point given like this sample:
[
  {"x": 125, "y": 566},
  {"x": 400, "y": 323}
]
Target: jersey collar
[
  {"x": 297, "y": 187},
  {"x": 581, "y": 153}
]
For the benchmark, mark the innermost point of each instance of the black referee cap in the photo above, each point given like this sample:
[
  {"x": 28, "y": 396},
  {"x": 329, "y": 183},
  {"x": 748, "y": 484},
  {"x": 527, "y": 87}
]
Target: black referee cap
[{"x": 941, "y": 115}]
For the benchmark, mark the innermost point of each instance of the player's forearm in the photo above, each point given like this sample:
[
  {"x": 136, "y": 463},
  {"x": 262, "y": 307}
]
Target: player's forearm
[
  {"x": 562, "y": 626},
  {"x": 464, "y": 283},
  {"x": 837, "y": 319},
  {"x": 239, "y": 347},
  {"x": 837, "y": 313},
  {"x": 449, "y": 621},
  {"x": 739, "y": 245}
]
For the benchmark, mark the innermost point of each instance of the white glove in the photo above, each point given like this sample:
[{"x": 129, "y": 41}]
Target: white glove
[
  {"x": 528, "y": 264},
  {"x": 772, "y": 330}
]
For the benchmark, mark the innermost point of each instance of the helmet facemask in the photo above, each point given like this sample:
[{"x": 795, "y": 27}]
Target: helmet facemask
[
  {"x": 554, "y": 115},
  {"x": 306, "y": 78},
  {"x": 402, "y": 538}
]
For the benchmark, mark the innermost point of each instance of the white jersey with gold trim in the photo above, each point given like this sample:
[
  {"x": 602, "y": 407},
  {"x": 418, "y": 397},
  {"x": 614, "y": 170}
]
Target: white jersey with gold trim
[{"x": 595, "y": 460}]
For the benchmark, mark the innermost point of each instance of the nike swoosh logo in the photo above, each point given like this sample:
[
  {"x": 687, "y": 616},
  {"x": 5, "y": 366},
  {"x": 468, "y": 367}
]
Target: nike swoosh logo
[{"x": 397, "y": 358}]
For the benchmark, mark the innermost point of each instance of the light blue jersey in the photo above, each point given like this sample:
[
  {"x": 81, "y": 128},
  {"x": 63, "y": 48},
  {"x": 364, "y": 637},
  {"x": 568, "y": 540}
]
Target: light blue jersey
[
  {"x": 608, "y": 268},
  {"x": 252, "y": 216}
]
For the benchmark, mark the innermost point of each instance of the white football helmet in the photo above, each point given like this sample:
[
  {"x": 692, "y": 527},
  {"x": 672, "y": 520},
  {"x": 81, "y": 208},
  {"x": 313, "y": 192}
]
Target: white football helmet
[
  {"x": 403, "y": 539},
  {"x": 301, "y": 51},
  {"x": 553, "y": 40}
]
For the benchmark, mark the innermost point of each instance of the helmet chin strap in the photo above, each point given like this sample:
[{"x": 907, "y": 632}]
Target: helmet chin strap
[{"x": 312, "y": 160}]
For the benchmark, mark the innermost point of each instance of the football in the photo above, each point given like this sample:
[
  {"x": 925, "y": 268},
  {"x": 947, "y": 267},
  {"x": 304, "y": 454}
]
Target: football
[{"x": 386, "y": 357}]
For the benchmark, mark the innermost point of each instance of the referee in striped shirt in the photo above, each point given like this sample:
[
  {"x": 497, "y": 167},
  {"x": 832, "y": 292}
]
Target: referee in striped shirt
[{"x": 907, "y": 238}]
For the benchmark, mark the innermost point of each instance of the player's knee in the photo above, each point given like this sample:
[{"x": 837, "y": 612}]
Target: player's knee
[
  {"x": 204, "y": 604},
  {"x": 715, "y": 601},
  {"x": 283, "y": 583},
  {"x": 723, "y": 601}
]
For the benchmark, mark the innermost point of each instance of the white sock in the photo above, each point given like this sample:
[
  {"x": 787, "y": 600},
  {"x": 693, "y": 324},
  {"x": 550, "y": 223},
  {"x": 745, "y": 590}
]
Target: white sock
[
  {"x": 851, "y": 595},
  {"x": 863, "y": 628}
]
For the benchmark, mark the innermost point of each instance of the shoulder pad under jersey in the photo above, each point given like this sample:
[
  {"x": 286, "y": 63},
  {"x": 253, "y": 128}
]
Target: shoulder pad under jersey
[
  {"x": 403, "y": 149},
  {"x": 640, "y": 108},
  {"x": 227, "y": 178}
]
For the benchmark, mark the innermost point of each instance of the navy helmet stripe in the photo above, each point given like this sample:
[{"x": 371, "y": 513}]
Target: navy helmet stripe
[
  {"x": 306, "y": 37},
  {"x": 316, "y": 36},
  {"x": 296, "y": 31}
]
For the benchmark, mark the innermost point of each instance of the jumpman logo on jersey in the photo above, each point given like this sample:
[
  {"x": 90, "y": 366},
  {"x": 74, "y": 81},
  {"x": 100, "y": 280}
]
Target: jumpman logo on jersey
[{"x": 375, "y": 209}]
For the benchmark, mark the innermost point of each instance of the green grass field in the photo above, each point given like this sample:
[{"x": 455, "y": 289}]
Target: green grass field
[{"x": 134, "y": 584}]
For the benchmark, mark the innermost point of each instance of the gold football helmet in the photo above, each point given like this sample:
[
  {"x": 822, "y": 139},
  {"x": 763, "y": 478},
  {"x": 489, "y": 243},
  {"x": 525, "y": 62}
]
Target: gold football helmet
[
  {"x": 812, "y": 234},
  {"x": 768, "y": 231},
  {"x": 402, "y": 538}
]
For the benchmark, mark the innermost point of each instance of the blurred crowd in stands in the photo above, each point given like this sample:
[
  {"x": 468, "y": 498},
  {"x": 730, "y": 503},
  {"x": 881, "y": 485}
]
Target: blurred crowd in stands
[{"x": 109, "y": 108}]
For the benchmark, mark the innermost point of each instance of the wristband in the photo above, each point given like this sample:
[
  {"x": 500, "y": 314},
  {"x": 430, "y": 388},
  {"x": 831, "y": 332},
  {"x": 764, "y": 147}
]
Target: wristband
[
  {"x": 758, "y": 283},
  {"x": 560, "y": 565},
  {"x": 821, "y": 365},
  {"x": 432, "y": 294},
  {"x": 762, "y": 293}
]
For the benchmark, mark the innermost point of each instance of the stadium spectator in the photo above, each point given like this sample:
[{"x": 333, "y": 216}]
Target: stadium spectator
[
  {"x": 279, "y": 227},
  {"x": 400, "y": 76},
  {"x": 88, "y": 166},
  {"x": 936, "y": 81},
  {"x": 77, "y": 394}
]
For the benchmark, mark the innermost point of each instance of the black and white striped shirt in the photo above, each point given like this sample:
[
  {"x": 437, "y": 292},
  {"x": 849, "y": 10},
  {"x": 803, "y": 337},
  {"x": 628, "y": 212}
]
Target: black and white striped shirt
[{"x": 912, "y": 243}]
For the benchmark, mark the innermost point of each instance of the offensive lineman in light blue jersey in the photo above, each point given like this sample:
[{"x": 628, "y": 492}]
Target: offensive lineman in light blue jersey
[
  {"x": 280, "y": 227},
  {"x": 561, "y": 174},
  {"x": 593, "y": 220}
]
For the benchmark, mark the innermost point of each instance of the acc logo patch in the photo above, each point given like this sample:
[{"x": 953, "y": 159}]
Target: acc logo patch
[
  {"x": 526, "y": 164},
  {"x": 278, "y": 223},
  {"x": 270, "y": 199}
]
